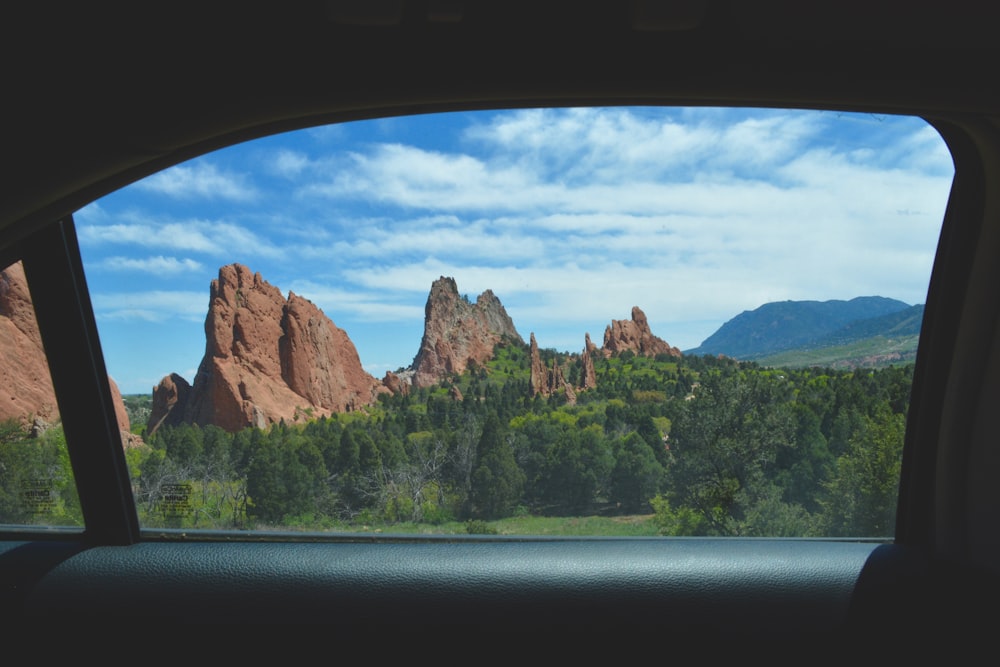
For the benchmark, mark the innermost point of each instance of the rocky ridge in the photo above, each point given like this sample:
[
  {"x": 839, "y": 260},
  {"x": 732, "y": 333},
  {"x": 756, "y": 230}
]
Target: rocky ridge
[
  {"x": 269, "y": 358},
  {"x": 632, "y": 335}
]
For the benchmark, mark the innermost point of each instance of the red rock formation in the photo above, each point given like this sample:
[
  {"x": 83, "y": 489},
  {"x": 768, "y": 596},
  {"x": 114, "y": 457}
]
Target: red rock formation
[
  {"x": 457, "y": 332},
  {"x": 396, "y": 384},
  {"x": 567, "y": 387},
  {"x": 547, "y": 381},
  {"x": 26, "y": 391},
  {"x": 170, "y": 400},
  {"x": 269, "y": 359},
  {"x": 319, "y": 361},
  {"x": 635, "y": 335},
  {"x": 538, "y": 382},
  {"x": 129, "y": 439},
  {"x": 588, "y": 375}
]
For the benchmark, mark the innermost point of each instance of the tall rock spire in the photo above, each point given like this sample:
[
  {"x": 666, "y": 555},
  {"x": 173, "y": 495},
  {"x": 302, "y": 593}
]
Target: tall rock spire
[{"x": 457, "y": 332}]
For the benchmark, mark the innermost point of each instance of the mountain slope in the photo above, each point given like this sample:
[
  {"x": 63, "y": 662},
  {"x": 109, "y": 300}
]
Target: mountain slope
[
  {"x": 787, "y": 325},
  {"x": 900, "y": 323},
  {"x": 874, "y": 342}
]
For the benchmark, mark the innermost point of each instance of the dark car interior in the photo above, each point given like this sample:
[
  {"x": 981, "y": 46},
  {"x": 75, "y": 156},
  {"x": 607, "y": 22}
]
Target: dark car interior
[{"x": 101, "y": 95}]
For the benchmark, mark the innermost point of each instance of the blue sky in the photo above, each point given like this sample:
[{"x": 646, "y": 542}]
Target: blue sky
[{"x": 571, "y": 217}]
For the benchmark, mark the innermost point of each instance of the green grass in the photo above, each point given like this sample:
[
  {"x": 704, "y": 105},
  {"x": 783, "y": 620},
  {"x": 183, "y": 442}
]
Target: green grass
[
  {"x": 870, "y": 353},
  {"x": 583, "y": 526}
]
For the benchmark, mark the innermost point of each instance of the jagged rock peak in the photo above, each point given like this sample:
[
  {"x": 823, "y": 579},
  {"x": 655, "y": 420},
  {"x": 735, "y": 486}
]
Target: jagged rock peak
[
  {"x": 588, "y": 376},
  {"x": 457, "y": 332},
  {"x": 634, "y": 335},
  {"x": 538, "y": 380},
  {"x": 547, "y": 381},
  {"x": 268, "y": 358}
]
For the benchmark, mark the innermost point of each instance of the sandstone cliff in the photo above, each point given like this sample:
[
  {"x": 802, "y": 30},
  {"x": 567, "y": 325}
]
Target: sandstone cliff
[
  {"x": 458, "y": 333},
  {"x": 634, "y": 335},
  {"x": 267, "y": 359},
  {"x": 25, "y": 385},
  {"x": 588, "y": 378},
  {"x": 548, "y": 380},
  {"x": 26, "y": 391}
]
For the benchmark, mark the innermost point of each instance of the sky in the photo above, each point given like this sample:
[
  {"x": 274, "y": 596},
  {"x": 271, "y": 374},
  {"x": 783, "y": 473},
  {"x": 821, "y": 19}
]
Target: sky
[{"x": 570, "y": 216}]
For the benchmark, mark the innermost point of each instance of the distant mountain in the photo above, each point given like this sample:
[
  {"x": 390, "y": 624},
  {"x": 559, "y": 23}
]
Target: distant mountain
[
  {"x": 901, "y": 323},
  {"x": 789, "y": 325}
]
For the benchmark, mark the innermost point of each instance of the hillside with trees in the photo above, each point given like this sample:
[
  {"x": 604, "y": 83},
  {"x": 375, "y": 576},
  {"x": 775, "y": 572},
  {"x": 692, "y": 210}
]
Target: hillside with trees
[{"x": 695, "y": 445}]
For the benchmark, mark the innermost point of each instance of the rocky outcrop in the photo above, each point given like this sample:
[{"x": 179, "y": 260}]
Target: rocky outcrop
[
  {"x": 458, "y": 333},
  {"x": 538, "y": 381},
  {"x": 268, "y": 359},
  {"x": 26, "y": 391},
  {"x": 588, "y": 374},
  {"x": 129, "y": 439},
  {"x": 547, "y": 381},
  {"x": 635, "y": 336},
  {"x": 397, "y": 383},
  {"x": 170, "y": 400}
]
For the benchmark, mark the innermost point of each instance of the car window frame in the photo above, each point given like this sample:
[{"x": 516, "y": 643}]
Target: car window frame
[{"x": 56, "y": 278}]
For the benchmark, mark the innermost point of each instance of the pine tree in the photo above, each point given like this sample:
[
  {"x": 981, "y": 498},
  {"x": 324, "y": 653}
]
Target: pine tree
[{"x": 497, "y": 481}]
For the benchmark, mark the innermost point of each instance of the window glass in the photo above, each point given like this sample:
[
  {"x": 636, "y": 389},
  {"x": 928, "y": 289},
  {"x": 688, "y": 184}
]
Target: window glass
[
  {"x": 36, "y": 481},
  {"x": 600, "y": 321}
]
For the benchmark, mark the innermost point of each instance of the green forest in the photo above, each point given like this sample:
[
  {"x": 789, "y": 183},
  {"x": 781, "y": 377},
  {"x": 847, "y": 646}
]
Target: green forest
[{"x": 689, "y": 446}]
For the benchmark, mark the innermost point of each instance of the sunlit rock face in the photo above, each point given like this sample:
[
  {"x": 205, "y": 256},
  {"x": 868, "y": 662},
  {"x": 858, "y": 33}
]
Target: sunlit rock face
[
  {"x": 634, "y": 335},
  {"x": 268, "y": 359},
  {"x": 458, "y": 333},
  {"x": 546, "y": 381},
  {"x": 26, "y": 391}
]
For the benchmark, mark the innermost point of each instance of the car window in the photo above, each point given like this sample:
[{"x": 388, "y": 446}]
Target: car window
[
  {"x": 586, "y": 321},
  {"x": 36, "y": 480}
]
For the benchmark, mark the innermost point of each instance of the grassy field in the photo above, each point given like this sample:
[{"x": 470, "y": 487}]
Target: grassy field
[
  {"x": 869, "y": 353},
  {"x": 585, "y": 526}
]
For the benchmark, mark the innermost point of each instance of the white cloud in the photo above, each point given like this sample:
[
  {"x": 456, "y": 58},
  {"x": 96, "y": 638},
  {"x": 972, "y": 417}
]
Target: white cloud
[
  {"x": 621, "y": 145},
  {"x": 570, "y": 217},
  {"x": 412, "y": 177},
  {"x": 151, "y": 306},
  {"x": 289, "y": 164},
  {"x": 368, "y": 306},
  {"x": 449, "y": 235},
  {"x": 199, "y": 180},
  {"x": 159, "y": 265},
  {"x": 213, "y": 238}
]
